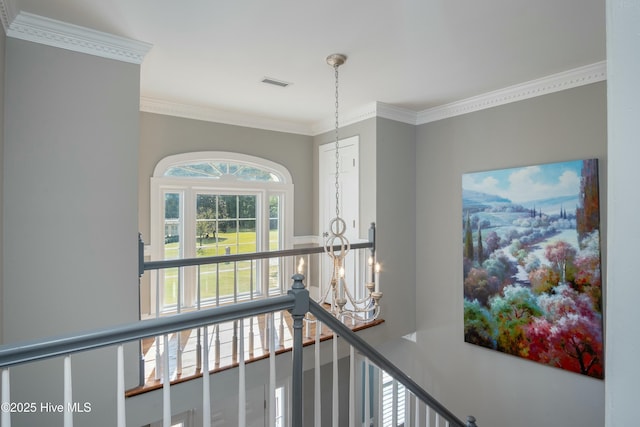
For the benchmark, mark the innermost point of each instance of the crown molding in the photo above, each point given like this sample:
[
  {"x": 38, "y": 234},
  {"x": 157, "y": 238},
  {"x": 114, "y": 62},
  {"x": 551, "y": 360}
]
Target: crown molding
[
  {"x": 398, "y": 114},
  {"x": 554, "y": 83},
  {"x": 557, "y": 82},
  {"x": 158, "y": 106},
  {"x": 347, "y": 118},
  {"x": 7, "y": 14},
  {"x": 368, "y": 111},
  {"x": 50, "y": 32}
]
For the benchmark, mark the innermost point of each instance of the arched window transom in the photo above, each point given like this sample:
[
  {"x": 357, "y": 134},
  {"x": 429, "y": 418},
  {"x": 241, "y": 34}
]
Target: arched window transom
[{"x": 223, "y": 170}]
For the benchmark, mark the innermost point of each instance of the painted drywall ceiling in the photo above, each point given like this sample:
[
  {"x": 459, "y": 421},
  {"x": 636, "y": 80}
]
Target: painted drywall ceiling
[{"x": 413, "y": 54}]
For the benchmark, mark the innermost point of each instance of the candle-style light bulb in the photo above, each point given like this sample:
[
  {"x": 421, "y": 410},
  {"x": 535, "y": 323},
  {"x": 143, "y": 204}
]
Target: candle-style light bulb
[
  {"x": 377, "y": 277},
  {"x": 301, "y": 266}
]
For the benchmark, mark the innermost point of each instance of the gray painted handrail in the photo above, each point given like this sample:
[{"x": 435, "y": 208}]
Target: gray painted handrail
[
  {"x": 383, "y": 363},
  {"x": 188, "y": 262},
  {"x": 14, "y": 354},
  {"x": 296, "y": 301}
]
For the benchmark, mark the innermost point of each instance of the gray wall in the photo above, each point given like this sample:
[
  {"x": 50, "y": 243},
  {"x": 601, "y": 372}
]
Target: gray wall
[
  {"x": 366, "y": 132},
  {"x": 396, "y": 216},
  {"x": 70, "y": 215},
  {"x": 2, "y": 51},
  {"x": 387, "y": 150},
  {"x": 162, "y": 136},
  {"x": 500, "y": 390},
  {"x": 623, "y": 62}
]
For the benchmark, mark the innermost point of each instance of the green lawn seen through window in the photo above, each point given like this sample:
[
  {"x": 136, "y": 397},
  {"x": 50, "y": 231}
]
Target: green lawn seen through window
[{"x": 225, "y": 274}]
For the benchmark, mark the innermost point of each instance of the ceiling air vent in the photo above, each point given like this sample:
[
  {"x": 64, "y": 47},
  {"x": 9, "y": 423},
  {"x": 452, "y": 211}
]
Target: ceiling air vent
[{"x": 275, "y": 82}]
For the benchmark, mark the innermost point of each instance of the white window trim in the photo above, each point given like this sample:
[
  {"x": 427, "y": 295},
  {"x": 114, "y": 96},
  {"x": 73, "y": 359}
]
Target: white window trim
[{"x": 264, "y": 189}]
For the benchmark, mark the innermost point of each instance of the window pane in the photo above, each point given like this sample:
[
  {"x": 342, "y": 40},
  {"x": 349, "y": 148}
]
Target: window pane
[
  {"x": 247, "y": 206},
  {"x": 275, "y": 271},
  {"x": 274, "y": 223},
  {"x": 227, "y": 229},
  {"x": 172, "y": 247},
  {"x": 247, "y": 236},
  {"x": 227, "y": 207},
  {"x": 206, "y": 225}
]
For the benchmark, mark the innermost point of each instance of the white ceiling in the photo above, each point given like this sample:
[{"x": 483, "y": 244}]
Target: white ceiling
[{"x": 413, "y": 54}]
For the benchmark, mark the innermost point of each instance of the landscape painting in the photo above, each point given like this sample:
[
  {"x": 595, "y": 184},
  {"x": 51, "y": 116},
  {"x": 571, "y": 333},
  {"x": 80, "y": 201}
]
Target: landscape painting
[{"x": 531, "y": 260}]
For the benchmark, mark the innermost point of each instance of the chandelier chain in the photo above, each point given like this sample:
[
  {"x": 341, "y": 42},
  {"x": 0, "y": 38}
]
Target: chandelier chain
[
  {"x": 361, "y": 305},
  {"x": 335, "y": 67}
]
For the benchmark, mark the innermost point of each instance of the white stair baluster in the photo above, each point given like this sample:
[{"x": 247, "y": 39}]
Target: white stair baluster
[
  {"x": 251, "y": 338},
  {"x": 271, "y": 338},
  {"x": 317, "y": 408},
  {"x": 179, "y": 333},
  {"x": 5, "y": 416},
  {"x": 157, "y": 340},
  {"x": 407, "y": 407},
  {"x": 352, "y": 387},
  {"x": 121, "y": 415},
  {"x": 394, "y": 411},
  {"x": 198, "y": 307},
  {"x": 166, "y": 385},
  {"x": 216, "y": 346},
  {"x": 380, "y": 397},
  {"x": 242, "y": 397},
  {"x": 206, "y": 399},
  {"x": 367, "y": 393},
  {"x": 68, "y": 393},
  {"x": 281, "y": 330},
  {"x": 334, "y": 412}
]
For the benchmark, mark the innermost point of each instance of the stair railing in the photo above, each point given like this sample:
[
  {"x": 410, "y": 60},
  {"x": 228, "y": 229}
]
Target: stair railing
[
  {"x": 297, "y": 301},
  {"x": 271, "y": 263},
  {"x": 382, "y": 363}
]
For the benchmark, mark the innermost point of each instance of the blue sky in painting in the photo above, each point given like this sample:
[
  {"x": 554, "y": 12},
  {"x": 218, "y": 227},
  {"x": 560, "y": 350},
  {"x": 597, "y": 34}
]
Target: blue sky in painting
[{"x": 529, "y": 183}]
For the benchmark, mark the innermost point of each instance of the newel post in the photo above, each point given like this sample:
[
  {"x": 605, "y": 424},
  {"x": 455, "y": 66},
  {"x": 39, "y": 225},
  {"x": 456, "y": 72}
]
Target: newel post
[
  {"x": 297, "y": 313},
  {"x": 471, "y": 421}
]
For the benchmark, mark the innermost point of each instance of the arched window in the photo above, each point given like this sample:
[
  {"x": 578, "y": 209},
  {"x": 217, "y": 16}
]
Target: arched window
[{"x": 217, "y": 203}]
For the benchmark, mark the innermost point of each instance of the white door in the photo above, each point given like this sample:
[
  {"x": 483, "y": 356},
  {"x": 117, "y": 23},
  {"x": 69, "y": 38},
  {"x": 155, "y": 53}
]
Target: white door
[{"x": 349, "y": 197}]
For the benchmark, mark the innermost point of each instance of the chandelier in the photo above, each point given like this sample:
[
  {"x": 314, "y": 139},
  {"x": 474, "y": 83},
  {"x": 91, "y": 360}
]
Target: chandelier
[{"x": 338, "y": 296}]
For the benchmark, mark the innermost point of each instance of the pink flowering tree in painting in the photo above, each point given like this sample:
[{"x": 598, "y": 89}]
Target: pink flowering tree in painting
[
  {"x": 588, "y": 278},
  {"x": 561, "y": 254},
  {"x": 569, "y": 334}
]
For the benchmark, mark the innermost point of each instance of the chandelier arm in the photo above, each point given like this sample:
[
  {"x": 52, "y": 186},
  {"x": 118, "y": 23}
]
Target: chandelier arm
[
  {"x": 360, "y": 318},
  {"x": 352, "y": 299},
  {"x": 360, "y": 301},
  {"x": 323, "y": 300}
]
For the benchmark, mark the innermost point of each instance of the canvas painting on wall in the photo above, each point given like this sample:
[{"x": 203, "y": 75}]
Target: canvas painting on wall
[{"x": 531, "y": 260}]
